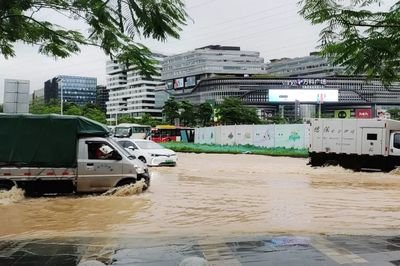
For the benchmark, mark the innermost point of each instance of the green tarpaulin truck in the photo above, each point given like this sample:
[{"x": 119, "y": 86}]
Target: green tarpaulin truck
[{"x": 63, "y": 154}]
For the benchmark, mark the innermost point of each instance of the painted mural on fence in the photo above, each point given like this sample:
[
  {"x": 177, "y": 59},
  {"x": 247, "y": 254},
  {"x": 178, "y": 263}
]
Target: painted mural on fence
[
  {"x": 244, "y": 135},
  {"x": 228, "y": 135},
  {"x": 288, "y": 136},
  {"x": 264, "y": 136}
]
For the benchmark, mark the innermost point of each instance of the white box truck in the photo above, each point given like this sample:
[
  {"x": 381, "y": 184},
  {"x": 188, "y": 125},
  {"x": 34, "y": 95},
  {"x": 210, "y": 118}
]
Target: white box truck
[
  {"x": 63, "y": 154},
  {"x": 355, "y": 143}
]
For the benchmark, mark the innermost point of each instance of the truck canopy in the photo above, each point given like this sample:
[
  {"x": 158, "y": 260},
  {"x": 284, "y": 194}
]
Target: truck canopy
[{"x": 44, "y": 140}]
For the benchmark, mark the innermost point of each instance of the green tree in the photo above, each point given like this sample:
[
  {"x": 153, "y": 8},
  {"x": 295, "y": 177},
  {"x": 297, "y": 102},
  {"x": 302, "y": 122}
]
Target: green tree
[
  {"x": 147, "y": 119},
  {"x": 250, "y": 116},
  {"x": 362, "y": 40},
  {"x": 171, "y": 110},
  {"x": 126, "y": 119},
  {"x": 205, "y": 114},
  {"x": 112, "y": 25},
  {"x": 232, "y": 111},
  {"x": 41, "y": 108},
  {"x": 71, "y": 109},
  {"x": 394, "y": 113},
  {"x": 188, "y": 115},
  {"x": 95, "y": 114}
]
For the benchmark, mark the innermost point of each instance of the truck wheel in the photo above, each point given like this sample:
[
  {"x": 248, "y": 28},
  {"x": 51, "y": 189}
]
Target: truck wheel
[
  {"x": 142, "y": 159},
  {"x": 331, "y": 163},
  {"x": 5, "y": 187},
  {"x": 126, "y": 182}
]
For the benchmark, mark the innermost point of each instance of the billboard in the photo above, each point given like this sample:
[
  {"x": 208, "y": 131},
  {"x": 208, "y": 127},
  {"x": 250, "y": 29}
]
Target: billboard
[
  {"x": 16, "y": 96},
  {"x": 178, "y": 83},
  {"x": 190, "y": 81},
  {"x": 305, "y": 82},
  {"x": 343, "y": 113},
  {"x": 303, "y": 95},
  {"x": 363, "y": 113}
]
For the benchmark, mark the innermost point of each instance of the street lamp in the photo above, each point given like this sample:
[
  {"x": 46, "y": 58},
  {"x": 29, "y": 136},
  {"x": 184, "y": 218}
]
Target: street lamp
[{"x": 60, "y": 81}]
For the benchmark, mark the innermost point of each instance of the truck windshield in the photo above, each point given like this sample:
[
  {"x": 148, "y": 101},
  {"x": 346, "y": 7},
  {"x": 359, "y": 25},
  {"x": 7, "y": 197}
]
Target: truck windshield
[{"x": 396, "y": 143}]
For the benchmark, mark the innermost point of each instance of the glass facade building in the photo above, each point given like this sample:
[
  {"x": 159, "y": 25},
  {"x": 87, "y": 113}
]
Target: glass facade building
[
  {"x": 102, "y": 97},
  {"x": 75, "y": 89}
]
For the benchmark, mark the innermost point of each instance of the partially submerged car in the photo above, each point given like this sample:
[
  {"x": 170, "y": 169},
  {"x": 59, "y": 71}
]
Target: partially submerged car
[{"x": 149, "y": 152}]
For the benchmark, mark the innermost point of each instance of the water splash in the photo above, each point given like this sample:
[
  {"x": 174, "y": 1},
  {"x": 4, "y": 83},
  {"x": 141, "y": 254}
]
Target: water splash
[
  {"x": 127, "y": 190},
  {"x": 395, "y": 171},
  {"x": 13, "y": 195}
]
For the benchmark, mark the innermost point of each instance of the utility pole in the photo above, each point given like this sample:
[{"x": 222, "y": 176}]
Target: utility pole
[{"x": 60, "y": 83}]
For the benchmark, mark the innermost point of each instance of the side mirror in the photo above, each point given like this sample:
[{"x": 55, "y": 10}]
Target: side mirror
[{"x": 131, "y": 147}]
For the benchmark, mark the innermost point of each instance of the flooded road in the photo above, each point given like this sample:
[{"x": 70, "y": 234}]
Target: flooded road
[{"x": 220, "y": 195}]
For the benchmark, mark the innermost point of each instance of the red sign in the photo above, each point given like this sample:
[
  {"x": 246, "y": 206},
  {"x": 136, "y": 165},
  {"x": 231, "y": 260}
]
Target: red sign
[{"x": 363, "y": 113}]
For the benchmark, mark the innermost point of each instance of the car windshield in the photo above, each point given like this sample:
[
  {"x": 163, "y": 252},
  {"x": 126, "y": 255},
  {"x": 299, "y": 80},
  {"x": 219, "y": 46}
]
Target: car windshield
[
  {"x": 147, "y": 145},
  {"x": 122, "y": 150}
]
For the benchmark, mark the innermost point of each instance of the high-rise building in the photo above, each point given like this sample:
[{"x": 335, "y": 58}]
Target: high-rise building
[
  {"x": 184, "y": 71},
  {"x": 130, "y": 93},
  {"x": 313, "y": 65},
  {"x": 72, "y": 89},
  {"x": 102, "y": 97},
  {"x": 38, "y": 96},
  {"x": 16, "y": 96}
]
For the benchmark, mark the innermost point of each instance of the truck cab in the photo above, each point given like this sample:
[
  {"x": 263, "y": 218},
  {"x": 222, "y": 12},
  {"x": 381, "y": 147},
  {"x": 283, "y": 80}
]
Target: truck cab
[
  {"x": 394, "y": 143},
  {"x": 97, "y": 174}
]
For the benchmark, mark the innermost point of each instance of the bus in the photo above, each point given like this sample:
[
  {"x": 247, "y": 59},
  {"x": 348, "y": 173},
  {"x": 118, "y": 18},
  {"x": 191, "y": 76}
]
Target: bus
[
  {"x": 133, "y": 131},
  {"x": 166, "y": 133}
]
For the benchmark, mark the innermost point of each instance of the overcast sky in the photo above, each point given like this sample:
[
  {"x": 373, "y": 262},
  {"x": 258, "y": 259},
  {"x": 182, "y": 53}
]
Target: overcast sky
[{"x": 271, "y": 27}]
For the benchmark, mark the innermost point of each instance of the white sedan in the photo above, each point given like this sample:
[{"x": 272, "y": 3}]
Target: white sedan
[{"x": 149, "y": 152}]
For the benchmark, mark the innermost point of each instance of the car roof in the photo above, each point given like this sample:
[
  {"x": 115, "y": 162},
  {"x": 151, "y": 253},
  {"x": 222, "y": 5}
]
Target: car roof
[{"x": 132, "y": 140}]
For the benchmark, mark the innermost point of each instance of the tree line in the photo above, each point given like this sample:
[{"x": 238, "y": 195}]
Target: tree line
[
  {"x": 231, "y": 111},
  {"x": 89, "y": 110}
]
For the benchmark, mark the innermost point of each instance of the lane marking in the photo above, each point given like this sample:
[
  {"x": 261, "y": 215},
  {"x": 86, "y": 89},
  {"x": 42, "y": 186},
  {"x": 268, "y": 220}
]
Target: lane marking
[
  {"x": 336, "y": 253},
  {"x": 218, "y": 254}
]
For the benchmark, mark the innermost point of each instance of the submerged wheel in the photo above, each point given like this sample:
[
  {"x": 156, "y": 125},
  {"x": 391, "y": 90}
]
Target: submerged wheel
[
  {"x": 6, "y": 186},
  {"x": 142, "y": 159},
  {"x": 126, "y": 182}
]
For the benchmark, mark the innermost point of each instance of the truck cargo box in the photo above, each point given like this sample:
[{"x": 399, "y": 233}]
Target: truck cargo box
[{"x": 44, "y": 140}]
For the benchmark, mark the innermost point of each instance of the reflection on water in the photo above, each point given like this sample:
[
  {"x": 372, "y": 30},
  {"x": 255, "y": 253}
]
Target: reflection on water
[{"x": 222, "y": 195}]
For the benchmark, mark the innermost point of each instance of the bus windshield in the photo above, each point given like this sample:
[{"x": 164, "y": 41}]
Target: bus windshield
[
  {"x": 133, "y": 131},
  {"x": 123, "y": 132}
]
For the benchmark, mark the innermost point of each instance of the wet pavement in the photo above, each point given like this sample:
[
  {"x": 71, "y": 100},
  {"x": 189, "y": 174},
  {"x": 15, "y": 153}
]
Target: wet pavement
[{"x": 254, "y": 250}]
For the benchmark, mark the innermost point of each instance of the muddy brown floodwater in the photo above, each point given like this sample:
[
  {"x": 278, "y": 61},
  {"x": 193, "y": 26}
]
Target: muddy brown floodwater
[{"x": 220, "y": 195}]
